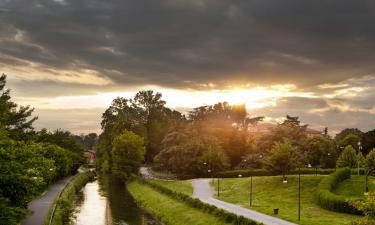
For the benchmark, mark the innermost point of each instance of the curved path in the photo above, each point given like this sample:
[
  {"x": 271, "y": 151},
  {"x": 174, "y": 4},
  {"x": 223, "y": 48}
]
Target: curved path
[
  {"x": 40, "y": 206},
  {"x": 204, "y": 192}
]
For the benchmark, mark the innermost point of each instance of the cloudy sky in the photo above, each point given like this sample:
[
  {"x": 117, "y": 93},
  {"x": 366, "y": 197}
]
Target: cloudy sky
[{"x": 313, "y": 59}]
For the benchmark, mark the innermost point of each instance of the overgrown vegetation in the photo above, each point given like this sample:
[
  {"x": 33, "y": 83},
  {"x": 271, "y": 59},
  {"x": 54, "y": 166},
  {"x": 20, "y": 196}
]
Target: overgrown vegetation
[{"x": 64, "y": 204}]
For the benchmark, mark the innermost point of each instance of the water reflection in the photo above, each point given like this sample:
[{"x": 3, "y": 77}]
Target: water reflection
[
  {"x": 91, "y": 206},
  {"x": 107, "y": 202}
]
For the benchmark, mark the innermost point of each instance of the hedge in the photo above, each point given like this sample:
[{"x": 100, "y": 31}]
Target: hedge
[
  {"x": 63, "y": 202},
  {"x": 264, "y": 172},
  {"x": 196, "y": 203},
  {"x": 330, "y": 201}
]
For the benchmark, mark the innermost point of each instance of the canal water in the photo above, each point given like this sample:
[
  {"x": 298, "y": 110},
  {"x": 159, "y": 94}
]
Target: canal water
[{"x": 107, "y": 202}]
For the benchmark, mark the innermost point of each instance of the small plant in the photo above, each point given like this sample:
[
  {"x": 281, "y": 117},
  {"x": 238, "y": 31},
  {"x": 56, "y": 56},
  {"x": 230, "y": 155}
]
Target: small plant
[{"x": 368, "y": 208}]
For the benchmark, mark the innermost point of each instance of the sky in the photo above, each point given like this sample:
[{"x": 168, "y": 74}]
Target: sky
[{"x": 313, "y": 59}]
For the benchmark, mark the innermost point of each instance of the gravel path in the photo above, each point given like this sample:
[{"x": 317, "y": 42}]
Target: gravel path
[
  {"x": 204, "y": 192},
  {"x": 40, "y": 206}
]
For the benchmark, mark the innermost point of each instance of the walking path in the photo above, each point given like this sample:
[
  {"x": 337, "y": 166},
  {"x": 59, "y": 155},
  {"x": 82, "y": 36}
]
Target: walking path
[
  {"x": 40, "y": 206},
  {"x": 204, "y": 192}
]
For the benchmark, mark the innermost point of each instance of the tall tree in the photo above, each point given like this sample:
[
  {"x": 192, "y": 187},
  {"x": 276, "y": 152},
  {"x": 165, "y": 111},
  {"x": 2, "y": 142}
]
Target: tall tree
[
  {"x": 321, "y": 151},
  {"x": 16, "y": 119},
  {"x": 348, "y": 158}
]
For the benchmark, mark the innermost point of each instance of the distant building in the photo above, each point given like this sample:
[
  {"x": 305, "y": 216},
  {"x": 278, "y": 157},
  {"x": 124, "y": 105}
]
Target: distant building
[
  {"x": 90, "y": 156},
  {"x": 261, "y": 129}
]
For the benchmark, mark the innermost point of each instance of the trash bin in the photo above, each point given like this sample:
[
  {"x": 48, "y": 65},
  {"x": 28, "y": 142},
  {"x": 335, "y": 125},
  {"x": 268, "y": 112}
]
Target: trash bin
[{"x": 276, "y": 211}]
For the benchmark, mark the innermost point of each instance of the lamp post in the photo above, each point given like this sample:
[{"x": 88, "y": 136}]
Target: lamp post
[
  {"x": 299, "y": 193},
  {"x": 358, "y": 156},
  {"x": 251, "y": 190}
]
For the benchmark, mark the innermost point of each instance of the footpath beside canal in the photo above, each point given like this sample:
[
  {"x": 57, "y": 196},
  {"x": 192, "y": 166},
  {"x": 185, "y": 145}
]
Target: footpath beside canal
[{"x": 39, "y": 207}]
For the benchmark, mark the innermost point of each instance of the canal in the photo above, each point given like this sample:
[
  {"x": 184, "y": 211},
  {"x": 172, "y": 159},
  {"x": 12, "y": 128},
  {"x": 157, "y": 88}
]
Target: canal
[{"x": 107, "y": 202}]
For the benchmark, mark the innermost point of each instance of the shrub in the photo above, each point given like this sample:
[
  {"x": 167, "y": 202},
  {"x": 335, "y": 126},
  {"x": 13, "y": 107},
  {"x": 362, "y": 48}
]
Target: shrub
[
  {"x": 328, "y": 200},
  {"x": 196, "y": 203},
  {"x": 264, "y": 172}
]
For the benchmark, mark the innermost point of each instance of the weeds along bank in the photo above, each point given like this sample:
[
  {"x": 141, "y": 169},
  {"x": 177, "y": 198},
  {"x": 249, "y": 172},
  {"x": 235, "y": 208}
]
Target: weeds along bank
[
  {"x": 176, "y": 208},
  {"x": 63, "y": 205}
]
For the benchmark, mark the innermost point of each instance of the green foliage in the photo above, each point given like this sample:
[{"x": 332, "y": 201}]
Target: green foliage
[
  {"x": 370, "y": 161},
  {"x": 368, "y": 207},
  {"x": 15, "y": 119},
  {"x": 349, "y": 136},
  {"x": 290, "y": 129},
  {"x": 145, "y": 115},
  {"x": 283, "y": 158},
  {"x": 190, "y": 154},
  {"x": 348, "y": 158},
  {"x": 368, "y": 141},
  {"x": 321, "y": 152},
  {"x": 328, "y": 200},
  {"x": 196, "y": 203},
  {"x": 127, "y": 154}
]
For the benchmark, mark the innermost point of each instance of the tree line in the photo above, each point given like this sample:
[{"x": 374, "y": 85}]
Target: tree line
[
  {"x": 29, "y": 160},
  {"x": 212, "y": 138}
]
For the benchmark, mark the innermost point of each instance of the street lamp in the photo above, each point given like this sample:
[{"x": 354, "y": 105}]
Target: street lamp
[
  {"x": 299, "y": 193},
  {"x": 358, "y": 155}
]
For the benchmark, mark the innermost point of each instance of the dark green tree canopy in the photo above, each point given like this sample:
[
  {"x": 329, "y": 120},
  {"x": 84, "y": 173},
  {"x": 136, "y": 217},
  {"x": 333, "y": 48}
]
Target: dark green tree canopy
[{"x": 16, "y": 119}]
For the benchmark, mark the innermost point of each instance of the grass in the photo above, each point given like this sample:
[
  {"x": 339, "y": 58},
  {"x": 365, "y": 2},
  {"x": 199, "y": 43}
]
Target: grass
[
  {"x": 168, "y": 210},
  {"x": 270, "y": 193},
  {"x": 183, "y": 186},
  {"x": 355, "y": 187}
]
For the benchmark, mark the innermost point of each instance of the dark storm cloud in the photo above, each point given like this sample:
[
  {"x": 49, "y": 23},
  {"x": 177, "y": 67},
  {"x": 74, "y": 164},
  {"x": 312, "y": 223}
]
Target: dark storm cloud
[{"x": 179, "y": 43}]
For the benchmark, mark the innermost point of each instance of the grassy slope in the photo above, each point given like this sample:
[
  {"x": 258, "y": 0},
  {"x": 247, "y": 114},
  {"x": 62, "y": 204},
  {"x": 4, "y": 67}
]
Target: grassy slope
[
  {"x": 355, "y": 187},
  {"x": 270, "y": 192},
  {"x": 183, "y": 186},
  {"x": 168, "y": 210}
]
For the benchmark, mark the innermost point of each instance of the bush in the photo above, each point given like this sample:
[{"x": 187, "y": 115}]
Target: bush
[
  {"x": 264, "y": 172},
  {"x": 328, "y": 200},
  {"x": 196, "y": 203}
]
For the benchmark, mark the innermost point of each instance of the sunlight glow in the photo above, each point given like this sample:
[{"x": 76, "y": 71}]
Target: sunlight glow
[{"x": 256, "y": 97}]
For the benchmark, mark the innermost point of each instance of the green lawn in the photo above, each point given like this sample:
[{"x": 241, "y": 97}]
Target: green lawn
[
  {"x": 270, "y": 193},
  {"x": 355, "y": 187},
  {"x": 168, "y": 210},
  {"x": 183, "y": 186}
]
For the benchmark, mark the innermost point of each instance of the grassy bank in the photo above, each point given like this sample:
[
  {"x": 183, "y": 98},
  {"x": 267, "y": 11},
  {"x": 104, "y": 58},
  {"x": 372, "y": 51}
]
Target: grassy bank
[
  {"x": 183, "y": 186},
  {"x": 270, "y": 193},
  {"x": 169, "y": 210},
  {"x": 355, "y": 187},
  {"x": 64, "y": 203}
]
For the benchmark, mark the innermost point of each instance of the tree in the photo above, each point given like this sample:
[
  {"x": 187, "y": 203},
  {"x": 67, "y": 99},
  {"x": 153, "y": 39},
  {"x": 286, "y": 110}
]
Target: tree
[
  {"x": 15, "y": 119},
  {"x": 290, "y": 129},
  {"x": 368, "y": 141},
  {"x": 283, "y": 158},
  {"x": 350, "y": 139},
  {"x": 348, "y": 158},
  {"x": 321, "y": 151},
  {"x": 370, "y": 161},
  {"x": 354, "y": 131},
  {"x": 127, "y": 154}
]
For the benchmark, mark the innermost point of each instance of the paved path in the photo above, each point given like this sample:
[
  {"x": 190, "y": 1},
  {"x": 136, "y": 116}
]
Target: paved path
[
  {"x": 40, "y": 206},
  {"x": 204, "y": 192}
]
